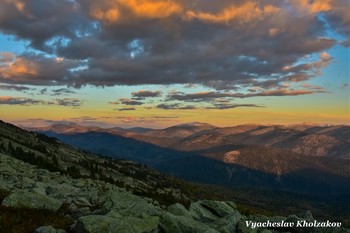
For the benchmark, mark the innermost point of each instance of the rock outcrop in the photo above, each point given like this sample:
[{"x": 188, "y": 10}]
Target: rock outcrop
[{"x": 100, "y": 207}]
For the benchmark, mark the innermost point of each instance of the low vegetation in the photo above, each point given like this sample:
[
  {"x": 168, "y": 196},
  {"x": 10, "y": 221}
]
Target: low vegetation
[
  {"x": 48, "y": 153},
  {"x": 24, "y": 220}
]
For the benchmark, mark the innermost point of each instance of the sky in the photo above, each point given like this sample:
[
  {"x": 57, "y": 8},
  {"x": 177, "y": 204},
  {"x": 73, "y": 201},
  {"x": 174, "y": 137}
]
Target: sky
[{"x": 156, "y": 63}]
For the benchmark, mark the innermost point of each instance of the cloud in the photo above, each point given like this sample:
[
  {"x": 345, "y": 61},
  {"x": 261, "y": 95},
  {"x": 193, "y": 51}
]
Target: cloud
[
  {"x": 198, "y": 97},
  {"x": 281, "y": 92},
  {"x": 243, "y": 13},
  {"x": 68, "y": 102},
  {"x": 110, "y": 12},
  {"x": 14, "y": 88},
  {"x": 41, "y": 20},
  {"x": 56, "y": 92},
  {"x": 129, "y": 102},
  {"x": 216, "y": 105},
  {"x": 36, "y": 70},
  {"x": 6, "y": 57},
  {"x": 150, "y": 119},
  {"x": 83, "y": 120},
  {"x": 226, "y": 45},
  {"x": 62, "y": 91},
  {"x": 345, "y": 86},
  {"x": 8, "y": 100},
  {"x": 43, "y": 91},
  {"x": 144, "y": 94},
  {"x": 175, "y": 106},
  {"x": 227, "y": 96},
  {"x": 126, "y": 109},
  {"x": 230, "y": 106}
]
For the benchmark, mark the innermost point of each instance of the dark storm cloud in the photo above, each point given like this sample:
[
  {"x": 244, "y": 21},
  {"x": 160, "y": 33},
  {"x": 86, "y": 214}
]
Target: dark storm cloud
[{"x": 226, "y": 45}]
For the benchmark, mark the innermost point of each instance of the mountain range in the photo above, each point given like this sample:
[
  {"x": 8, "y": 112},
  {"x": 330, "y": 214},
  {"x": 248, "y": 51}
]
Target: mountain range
[
  {"x": 48, "y": 186},
  {"x": 305, "y": 159}
]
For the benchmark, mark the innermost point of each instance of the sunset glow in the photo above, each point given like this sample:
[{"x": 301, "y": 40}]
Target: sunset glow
[{"x": 160, "y": 63}]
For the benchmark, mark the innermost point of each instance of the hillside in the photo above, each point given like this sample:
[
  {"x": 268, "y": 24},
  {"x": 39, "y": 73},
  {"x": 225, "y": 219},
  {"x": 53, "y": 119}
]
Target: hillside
[
  {"x": 47, "y": 185},
  {"x": 219, "y": 161},
  {"x": 320, "y": 141}
]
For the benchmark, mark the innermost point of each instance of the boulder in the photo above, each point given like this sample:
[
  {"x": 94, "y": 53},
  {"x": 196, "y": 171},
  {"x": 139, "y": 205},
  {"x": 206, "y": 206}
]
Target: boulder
[
  {"x": 228, "y": 223},
  {"x": 111, "y": 224},
  {"x": 178, "y": 210},
  {"x": 220, "y": 208},
  {"x": 81, "y": 201},
  {"x": 128, "y": 204},
  {"x": 31, "y": 200},
  {"x": 48, "y": 229},
  {"x": 170, "y": 223},
  {"x": 202, "y": 214}
]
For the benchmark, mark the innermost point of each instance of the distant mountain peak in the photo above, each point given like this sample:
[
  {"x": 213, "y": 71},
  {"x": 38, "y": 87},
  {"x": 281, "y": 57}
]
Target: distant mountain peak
[
  {"x": 64, "y": 123},
  {"x": 194, "y": 123}
]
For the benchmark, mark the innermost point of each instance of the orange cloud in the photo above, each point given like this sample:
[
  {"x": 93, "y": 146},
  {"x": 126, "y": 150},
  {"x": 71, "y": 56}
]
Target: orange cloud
[
  {"x": 19, "y": 67},
  {"x": 315, "y": 6},
  {"x": 17, "y": 3},
  {"x": 324, "y": 56},
  {"x": 152, "y": 9},
  {"x": 109, "y": 15},
  {"x": 244, "y": 13},
  {"x": 114, "y": 11}
]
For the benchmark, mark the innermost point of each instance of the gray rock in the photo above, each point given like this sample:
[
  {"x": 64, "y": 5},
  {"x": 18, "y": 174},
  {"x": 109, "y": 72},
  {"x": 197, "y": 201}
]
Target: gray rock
[
  {"x": 219, "y": 207},
  {"x": 73, "y": 208},
  {"x": 202, "y": 214},
  {"x": 84, "y": 211},
  {"x": 107, "y": 224},
  {"x": 113, "y": 214},
  {"x": 264, "y": 231},
  {"x": 48, "y": 229},
  {"x": 307, "y": 215},
  {"x": 38, "y": 190},
  {"x": 31, "y": 200},
  {"x": 82, "y": 201},
  {"x": 178, "y": 210},
  {"x": 228, "y": 224},
  {"x": 93, "y": 224},
  {"x": 128, "y": 204},
  {"x": 180, "y": 224}
]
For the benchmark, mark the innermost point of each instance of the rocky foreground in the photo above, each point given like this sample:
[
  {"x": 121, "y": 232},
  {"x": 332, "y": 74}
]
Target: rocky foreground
[{"x": 95, "y": 206}]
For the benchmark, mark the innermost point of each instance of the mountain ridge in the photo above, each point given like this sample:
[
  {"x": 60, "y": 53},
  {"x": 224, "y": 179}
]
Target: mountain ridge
[{"x": 72, "y": 185}]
